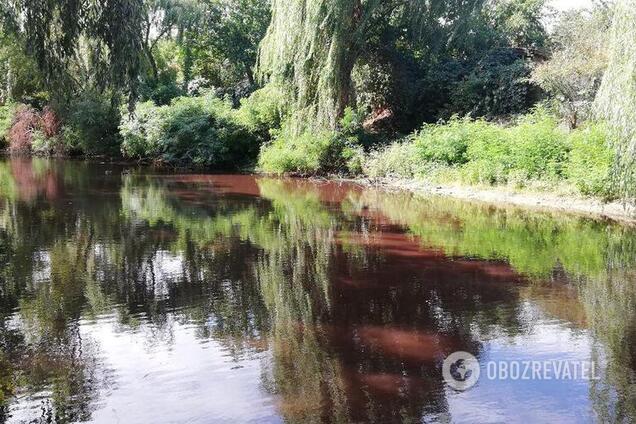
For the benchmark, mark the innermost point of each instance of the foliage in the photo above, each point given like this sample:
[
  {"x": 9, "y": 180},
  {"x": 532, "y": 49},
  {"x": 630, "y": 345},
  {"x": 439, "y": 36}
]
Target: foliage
[
  {"x": 591, "y": 160},
  {"x": 533, "y": 149},
  {"x": 309, "y": 153},
  {"x": 201, "y": 131},
  {"x": 6, "y": 118},
  {"x": 574, "y": 72},
  {"x": 489, "y": 156},
  {"x": 91, "y": 125},
  {"x": 312, "y": 47},
  {"x": 162, "y": 19},
  {"x": 233, "y": 29},
  {"x": 518, "y": 22},
  {"x": 20, "y": 79},
  {"x": 141, "y": 132},
  {"x": 77, "y": 45},
  {"x": 446, "y": 144},
  {"x": 538, "y": 147},
  {"x": 162, "y": 89},
  {"x": 497, "y": 85},
  {"x": 25, "y": 122},
  {"x": 479, "y": 152},
  {"x": 264, "y": 110},
  {"x": 44, "y": 146},
  {"x": 401, "y": 160},
  {"x": 616, "y": 100}
]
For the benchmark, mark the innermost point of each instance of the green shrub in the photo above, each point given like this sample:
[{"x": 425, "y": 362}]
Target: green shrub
[
  {"x": 310, "y": 154},
  {"x": 533, "y": 149},
  {"x": 396, "y": 160},
  {"x": 92, "y": 125},
  {"x": 141, "y": 132},
  {"x": 479, "y": 152},
  {"x": 539, "y": 147},
  {"x": 264, "y": 110},
  {"x": 6, "y": 117},
  {"x": 202, "y": 131},
  {"x": 445, "y": 144},
  {"x": 489, "y": 156},
  {"x": 480, "y": 149},
  {"x": 590, "y": 161},
  {"x": 162, "y": 90}
]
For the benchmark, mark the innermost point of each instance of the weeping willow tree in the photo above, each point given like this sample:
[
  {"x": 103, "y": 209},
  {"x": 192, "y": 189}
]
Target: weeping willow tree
[
  {"x": 78, "y": 43},
  {"x": 616, "y": 100},
  {"x": 312, "y": 46}
]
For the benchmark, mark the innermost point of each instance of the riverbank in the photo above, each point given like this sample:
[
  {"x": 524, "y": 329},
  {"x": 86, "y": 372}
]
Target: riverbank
[{"x": 500, "y": 197}]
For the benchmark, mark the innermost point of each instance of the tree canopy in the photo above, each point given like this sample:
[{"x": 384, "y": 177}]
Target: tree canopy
[{"x": 76, "y": 43}]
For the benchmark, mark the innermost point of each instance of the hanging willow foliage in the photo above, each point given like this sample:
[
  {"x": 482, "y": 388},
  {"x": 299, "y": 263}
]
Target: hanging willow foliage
[
  {"x": 616, "y": 100},
  {"x": 311, "y": 46},
  {"x": 103, "y": 35}
]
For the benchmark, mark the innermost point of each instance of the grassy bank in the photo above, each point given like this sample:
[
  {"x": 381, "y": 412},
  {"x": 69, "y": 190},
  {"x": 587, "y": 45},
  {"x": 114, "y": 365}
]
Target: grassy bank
[{"x": 533, "y": 152}]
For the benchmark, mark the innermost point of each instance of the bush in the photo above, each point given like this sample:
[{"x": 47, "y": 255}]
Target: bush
[
  {"x": 448, "y": 144},
  {"x": 26, "y": 121},
  {"x": 92, "y": 125},
  {"x": 310, "y": 154},
  {"x": 485, "y": 153},
  {"x": 478, "y": 152},
  {"x": 201, "y": 131},
  {"x": 44, "y": 145},
  {"x": 35, "y": 132},
  {"x": 590, "y": 161},
  {"x": 264, "y": 110},
  {"x": 497, "y": 85},
  {"x": 6, "y": 118},
  {"x": 539, "y": 147},
  {"x": 396, "y": 160},
  {"x": 141, "y": 132},
  {"x": 162, "y": 90},
  {"x": 489, "y": 156}
]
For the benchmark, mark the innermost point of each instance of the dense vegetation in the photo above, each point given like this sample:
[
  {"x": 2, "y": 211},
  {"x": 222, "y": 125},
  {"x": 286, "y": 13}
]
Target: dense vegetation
[{"x": 491, "y": 92}]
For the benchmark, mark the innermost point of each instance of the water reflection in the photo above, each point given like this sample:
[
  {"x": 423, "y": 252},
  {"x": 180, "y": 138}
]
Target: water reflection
[{"x": 128, "y": 293}]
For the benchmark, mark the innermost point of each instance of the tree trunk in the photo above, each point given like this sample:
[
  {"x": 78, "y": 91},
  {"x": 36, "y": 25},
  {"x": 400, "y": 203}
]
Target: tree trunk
[
  {"x": 153, "y": 63},
  {"x": 249, "y": 74}
]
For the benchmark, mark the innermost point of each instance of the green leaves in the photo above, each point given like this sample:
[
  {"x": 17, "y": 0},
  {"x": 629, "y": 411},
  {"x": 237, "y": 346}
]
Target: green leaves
[
  {"x": 616, "y": 100},
  {"x": 78, "y": 45},
  {"x": 200, "y": 131}
]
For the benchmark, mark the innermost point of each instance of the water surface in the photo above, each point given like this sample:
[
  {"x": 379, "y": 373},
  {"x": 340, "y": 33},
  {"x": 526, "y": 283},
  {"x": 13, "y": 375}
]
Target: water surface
[{"x": 130, "y": 295}]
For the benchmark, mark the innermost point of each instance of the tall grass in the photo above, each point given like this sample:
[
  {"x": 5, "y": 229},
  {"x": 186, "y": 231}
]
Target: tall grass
[{"x": 534, "y": 149}]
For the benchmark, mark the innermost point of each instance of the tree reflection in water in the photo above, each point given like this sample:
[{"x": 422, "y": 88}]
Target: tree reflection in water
[{"x": 356, "y": 294}]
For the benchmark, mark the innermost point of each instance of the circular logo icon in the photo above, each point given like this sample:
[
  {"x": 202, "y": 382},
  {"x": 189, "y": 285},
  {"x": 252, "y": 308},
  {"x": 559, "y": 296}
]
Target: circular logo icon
[{"x": 461, "y": 370}]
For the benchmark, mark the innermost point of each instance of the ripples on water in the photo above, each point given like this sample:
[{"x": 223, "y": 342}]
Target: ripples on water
[{"x": 133, "y": 296}]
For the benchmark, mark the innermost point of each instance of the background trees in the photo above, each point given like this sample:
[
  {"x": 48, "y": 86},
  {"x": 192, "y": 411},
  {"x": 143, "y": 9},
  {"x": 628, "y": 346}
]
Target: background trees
[{"x": 573, "y": 73}]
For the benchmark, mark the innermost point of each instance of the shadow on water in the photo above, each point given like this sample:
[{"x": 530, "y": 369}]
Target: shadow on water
[{"x": 332, "y": 302}]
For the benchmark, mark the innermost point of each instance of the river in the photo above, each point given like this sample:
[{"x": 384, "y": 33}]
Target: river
[{"x": 133, "y": 295}]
